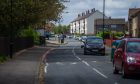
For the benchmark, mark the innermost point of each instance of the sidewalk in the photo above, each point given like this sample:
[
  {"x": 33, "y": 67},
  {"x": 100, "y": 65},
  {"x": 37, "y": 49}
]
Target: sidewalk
[
  {"x": 23, "y": 68},
  {"x": 53, "y": 42}
]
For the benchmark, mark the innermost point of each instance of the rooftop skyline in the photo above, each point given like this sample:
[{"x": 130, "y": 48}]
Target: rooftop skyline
[{"x": 113, "y": 8}]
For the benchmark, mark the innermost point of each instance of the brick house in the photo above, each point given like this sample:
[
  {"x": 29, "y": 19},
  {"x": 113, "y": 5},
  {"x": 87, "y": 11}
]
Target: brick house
[{"x": 111, "y": 24}]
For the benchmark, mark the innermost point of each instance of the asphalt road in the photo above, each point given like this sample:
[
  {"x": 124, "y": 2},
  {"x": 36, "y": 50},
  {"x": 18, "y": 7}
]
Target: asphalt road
[{"x": 67, "y": 65}]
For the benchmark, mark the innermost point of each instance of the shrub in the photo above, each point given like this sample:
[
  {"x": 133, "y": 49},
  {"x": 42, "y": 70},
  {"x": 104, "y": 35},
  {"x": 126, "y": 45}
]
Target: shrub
[
  {"x": 106, "y": 34},
  {"x": 30, "y": 32},
  {"x": 3, "y": 58}
]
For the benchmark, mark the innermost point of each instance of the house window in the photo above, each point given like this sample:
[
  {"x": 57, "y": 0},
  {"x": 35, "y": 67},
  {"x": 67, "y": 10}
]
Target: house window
[{"x": 113, "y": 26}]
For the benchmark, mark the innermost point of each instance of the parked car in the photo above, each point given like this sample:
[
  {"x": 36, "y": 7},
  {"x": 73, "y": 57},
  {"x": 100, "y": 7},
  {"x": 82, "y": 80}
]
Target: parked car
[
  {"x": 127, "y": 57},
  {"x": 94, "y": 44},
  {"x": 69, "y": 36},
  {"x": 83, "y": 38},
  {"x": 114, "y": 46}
]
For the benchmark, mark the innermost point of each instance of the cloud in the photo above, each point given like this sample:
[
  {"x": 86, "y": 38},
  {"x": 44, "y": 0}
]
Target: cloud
[{"x": 113, "y": 8}]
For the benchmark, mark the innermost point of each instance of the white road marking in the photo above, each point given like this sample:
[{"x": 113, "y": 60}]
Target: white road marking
[
  {"x": 115, "y": 83},
  {"x": 73, "y": 63},
  {"x": 99, "y": 73},
  {"x": 94, "y": 69},
  {"x": 73, "y": 52},
  {"x": 45, "y": 68},
  {"x": 75, "y": 55},
  {"x": 59, "y": 63},
  {"x": 78, "y": 57},
  {"x": 94, "y": 61},
  {"x": 85, "y": 63}
]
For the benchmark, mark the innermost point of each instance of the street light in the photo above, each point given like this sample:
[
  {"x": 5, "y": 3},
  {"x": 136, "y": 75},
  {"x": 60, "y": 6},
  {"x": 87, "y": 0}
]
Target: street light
[
  {"x": 11, "y": 31},
  {"x": 103, "y": 16}
]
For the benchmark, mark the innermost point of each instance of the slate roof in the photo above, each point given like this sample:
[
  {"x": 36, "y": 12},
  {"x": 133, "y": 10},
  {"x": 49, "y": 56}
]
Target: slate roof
[
  {"x": 133, "y": 11},
  {"x": 84, "y": 16}
]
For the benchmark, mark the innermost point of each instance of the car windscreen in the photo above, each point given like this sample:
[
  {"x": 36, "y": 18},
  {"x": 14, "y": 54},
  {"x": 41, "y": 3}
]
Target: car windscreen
[
  {"x": 133, "y": 47},
  {"x": 95, "y": 40}
]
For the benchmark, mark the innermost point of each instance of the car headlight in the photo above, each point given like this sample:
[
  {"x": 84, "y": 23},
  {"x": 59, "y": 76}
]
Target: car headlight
[
  {"x": 131, "y": 59},
  {"x": 87, "y": 46},
  {"x": 102, "y": 46}
]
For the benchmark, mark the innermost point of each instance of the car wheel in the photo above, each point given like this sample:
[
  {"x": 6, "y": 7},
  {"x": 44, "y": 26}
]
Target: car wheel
[
  {"x": 124, "y": 75},
  {"x": 85, "y": 52},
  {"x": 115, "y": 71}
]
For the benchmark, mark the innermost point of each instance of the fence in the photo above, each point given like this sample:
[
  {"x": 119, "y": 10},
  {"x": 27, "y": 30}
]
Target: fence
[{"x": 18, "y": 44}]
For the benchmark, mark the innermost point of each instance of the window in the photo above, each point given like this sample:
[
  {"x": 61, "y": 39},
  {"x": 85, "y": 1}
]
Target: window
[
  {"x": 95, "y": 40},
  {"x": 122, "y": 45},
  {"x": 113, "y": 26},
  {"x": 133, "y": 47}
]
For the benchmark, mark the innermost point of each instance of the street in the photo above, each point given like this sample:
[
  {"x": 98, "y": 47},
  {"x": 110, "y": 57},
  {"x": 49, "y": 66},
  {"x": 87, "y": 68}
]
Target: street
[{"x": 67, "y": 65}]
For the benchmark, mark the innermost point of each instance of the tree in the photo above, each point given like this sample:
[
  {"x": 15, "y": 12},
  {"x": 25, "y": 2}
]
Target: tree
[
  {"x": 19, "y": 14},
  {"x": 61, "y": 29}
]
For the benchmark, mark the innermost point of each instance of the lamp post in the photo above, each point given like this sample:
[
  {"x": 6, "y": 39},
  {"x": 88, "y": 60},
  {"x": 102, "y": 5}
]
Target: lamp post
[
  {"x": 103, "y": 17},
  {"x": 11, "y": 31}
]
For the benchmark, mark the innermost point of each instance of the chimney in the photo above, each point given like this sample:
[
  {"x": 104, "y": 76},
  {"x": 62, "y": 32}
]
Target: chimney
[
  {"x": 79, "y": 15},
  {"x": 83, "y": 14},
  {"x": 110, "y": 17},
  {"x": 92, "y": 10},
  {"x": 88, "y": 11}
]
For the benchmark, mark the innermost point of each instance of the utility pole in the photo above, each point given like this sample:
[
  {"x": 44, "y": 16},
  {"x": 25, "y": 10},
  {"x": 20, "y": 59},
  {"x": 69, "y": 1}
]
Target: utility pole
[{"x": 103, "y": 17}]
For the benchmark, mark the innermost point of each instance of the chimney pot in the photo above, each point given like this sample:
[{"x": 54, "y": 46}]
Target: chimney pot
[
  {"x": 93, "y": 10},
  {"x": 78, "y": 15}
]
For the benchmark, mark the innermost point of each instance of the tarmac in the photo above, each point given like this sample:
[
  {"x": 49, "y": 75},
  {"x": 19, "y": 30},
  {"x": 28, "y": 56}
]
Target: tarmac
[{"x": 24, "y": 67}]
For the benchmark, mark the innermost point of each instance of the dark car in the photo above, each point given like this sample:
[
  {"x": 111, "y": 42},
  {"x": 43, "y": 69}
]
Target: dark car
[
  {"x": 94, "y": 44},
  {"x": 83, "y": 38},
  {"x": 127, "y": 57}
]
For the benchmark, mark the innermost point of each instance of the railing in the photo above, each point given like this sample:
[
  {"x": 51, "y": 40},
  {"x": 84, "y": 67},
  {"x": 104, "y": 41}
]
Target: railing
[{"x": 18, "y": 44}]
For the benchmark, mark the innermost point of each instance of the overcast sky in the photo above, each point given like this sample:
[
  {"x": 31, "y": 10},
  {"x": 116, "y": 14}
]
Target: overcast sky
[{"x": 114, "y": 8}]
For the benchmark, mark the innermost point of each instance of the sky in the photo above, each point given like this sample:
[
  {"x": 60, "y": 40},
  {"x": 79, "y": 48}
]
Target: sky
[{"x": 113, "y": 8}]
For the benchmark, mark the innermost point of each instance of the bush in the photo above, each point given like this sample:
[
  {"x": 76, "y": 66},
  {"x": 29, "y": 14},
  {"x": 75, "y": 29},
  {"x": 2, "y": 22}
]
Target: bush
[
  {"x": 106, "y": 34},
  {"x": 30, "y": 32},
  {"x": 3, "y": 58}
]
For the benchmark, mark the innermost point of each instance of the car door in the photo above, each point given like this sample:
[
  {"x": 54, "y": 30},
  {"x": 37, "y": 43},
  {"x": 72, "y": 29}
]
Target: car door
[{"x": 119, "y": 55}]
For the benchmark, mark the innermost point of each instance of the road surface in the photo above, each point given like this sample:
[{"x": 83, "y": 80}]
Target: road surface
[{"x": 67, "y": 65}]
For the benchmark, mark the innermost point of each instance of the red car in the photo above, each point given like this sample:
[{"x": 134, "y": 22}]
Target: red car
[{"x": 127, "y": 57}]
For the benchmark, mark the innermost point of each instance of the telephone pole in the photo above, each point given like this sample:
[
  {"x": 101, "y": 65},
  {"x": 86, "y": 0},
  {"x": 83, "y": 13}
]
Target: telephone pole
[{"x": 103, "y": 17}]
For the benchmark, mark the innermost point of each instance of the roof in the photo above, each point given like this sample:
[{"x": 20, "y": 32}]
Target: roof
[
  {"x": 110, "y": 21},
  {"x": 133, "y": 11},
  {"x": 84, "y": 16}
]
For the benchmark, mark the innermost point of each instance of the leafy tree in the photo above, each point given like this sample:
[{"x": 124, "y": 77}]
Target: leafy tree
[
  {"x": 61, "y": 29},
  {"x": 16, "y": 15}
]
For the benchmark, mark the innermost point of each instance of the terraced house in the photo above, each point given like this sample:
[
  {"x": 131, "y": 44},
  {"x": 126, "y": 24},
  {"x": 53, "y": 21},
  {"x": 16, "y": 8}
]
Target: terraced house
[{"x": 84, "y": 23}]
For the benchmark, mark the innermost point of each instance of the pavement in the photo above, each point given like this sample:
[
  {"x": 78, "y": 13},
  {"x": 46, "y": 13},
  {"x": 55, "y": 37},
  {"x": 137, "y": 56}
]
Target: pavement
[
  {"x": 54, "y": 42},
  {"x": 23, "y": 68},
  {"x": 26, "y": 65}
]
